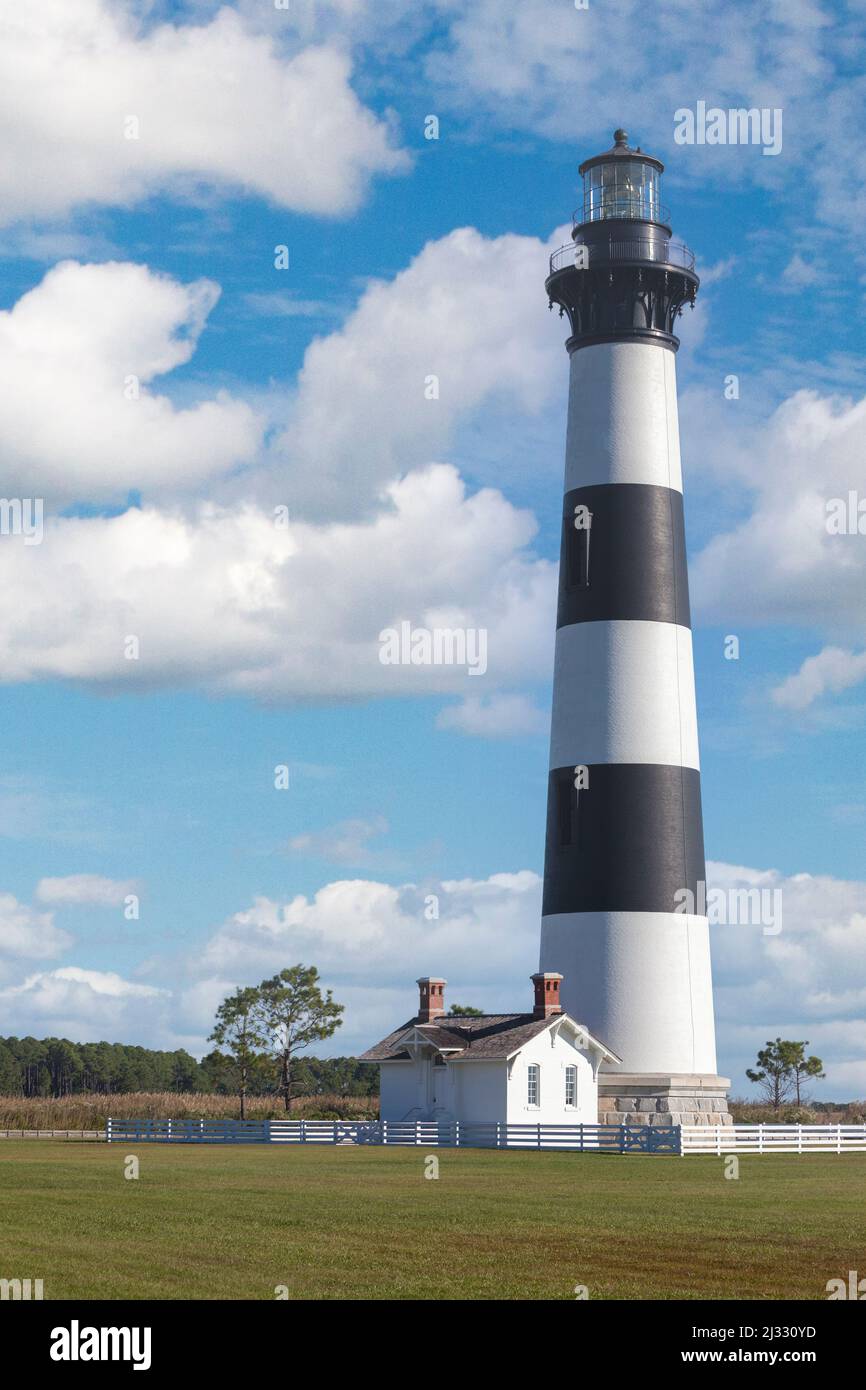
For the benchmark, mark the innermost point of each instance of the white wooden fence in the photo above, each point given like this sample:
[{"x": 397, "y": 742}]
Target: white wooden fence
[
  {"x": 768, "y": 1139},
  {"x": 437, "y": 1134},
  {"x": 52, "y": 1133},
  {"x": 688, "y": 1139}
]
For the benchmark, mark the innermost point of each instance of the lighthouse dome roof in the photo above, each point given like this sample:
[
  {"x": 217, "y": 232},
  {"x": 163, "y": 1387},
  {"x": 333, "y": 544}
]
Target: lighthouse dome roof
[{"x": 621, "y": 149}]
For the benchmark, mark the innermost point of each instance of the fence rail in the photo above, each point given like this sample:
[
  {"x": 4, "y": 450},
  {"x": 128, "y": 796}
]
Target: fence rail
[
  {"x": 52, "y": 1133},
  {"x": 764, "y": 1139},
  {"x": 670, "y": 1139},
  {"x": 583, "y": 1138}
]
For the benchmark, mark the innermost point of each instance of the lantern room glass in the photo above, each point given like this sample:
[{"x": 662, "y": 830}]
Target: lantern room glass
[{"x": 623, "y": 188}]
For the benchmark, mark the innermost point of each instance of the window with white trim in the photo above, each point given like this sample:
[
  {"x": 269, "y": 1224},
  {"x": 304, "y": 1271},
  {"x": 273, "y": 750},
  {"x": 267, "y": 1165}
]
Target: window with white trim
[
  {"x": 571, "y": 1085},
  {"x": 533, "y": 1084}
]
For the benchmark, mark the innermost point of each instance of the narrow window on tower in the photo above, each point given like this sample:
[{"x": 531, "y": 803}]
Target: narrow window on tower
[
  {"x": 576, "y": 548},
  {"x": 571, "y": 1086},
  {"x": 533, "y": 1084},
  {"x": 566, "y": 798}
]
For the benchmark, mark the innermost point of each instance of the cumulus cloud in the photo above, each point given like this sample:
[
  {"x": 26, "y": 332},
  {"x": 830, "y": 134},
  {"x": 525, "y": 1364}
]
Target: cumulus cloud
[
  {"x": 271, "y": 611},
  {"x": 801, "y": 982},
  {"x": 80, "y": 419},
  {"x": 28, "y": 934},
  {"x": 86, "y": 1006},
  {"x": 784, "y": 563},
  {"x": 486, "y": 931},
  {"x": 464, "y": 324},
  {"x": 228, "y": 600},
  {"x": 832, "y": 669},
  {"x": 499, "y": 716},
  {"x": 85, "y": 889},
  {"x": 537, "y": 65},
  {"x": 215, "y": 103},
  {"x": 82, "y": 353}
]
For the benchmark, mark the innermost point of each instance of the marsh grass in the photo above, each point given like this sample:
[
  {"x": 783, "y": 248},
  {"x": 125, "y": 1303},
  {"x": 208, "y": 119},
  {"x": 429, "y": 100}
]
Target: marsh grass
[{"x": 90, "y": 1111}]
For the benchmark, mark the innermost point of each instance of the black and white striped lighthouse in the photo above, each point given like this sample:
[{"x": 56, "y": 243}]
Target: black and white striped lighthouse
[{"x": 624, "y": 831}]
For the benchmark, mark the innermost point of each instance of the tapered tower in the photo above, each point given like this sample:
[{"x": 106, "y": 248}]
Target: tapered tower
[{"x": 624, "y": 831}]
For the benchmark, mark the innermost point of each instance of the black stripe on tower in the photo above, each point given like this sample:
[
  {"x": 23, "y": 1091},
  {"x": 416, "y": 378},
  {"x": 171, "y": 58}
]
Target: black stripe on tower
[
  {"x": 631, "y": 560},
  {"x": 630, "y": 841}
]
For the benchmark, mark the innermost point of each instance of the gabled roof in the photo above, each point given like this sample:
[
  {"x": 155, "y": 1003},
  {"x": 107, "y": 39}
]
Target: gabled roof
[{"x": 469, "y": 1038}]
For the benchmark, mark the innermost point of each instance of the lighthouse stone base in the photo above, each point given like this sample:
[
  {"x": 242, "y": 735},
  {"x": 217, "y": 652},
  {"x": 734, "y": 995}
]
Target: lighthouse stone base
[{"x": 644, "y": 1098}]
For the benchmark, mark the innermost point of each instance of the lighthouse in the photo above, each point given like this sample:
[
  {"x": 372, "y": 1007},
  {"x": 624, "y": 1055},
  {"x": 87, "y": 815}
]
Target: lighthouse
[{"x": 624, "y": 854}]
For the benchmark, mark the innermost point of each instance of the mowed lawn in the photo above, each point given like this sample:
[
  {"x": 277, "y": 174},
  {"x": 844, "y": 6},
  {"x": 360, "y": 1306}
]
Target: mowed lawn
[{"x": 364, "y": 1223}]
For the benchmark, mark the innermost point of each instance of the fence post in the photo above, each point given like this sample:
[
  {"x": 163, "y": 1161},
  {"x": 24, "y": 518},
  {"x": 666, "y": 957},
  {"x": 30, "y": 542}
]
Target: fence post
[
  {"x": 760, "y": 1139},
  {"x": 303, "y": 1131},
  {"x": 719, "y": 1140},
  {"x": 538, "y": 1145},
  {"x": 457, "y": 1134},
  {"x": 838, "y": 1139},
  {"x": 384, "y": 1131},
  {"x": 498, "y": 1136},
  {"x": 418, "y": 1131},
  {"x": 169, "y": 1131},
  {"x": 581, "y": 1136},
  {"x": 799, "y": 1139},
  {"x": 108, "y": 1130}
]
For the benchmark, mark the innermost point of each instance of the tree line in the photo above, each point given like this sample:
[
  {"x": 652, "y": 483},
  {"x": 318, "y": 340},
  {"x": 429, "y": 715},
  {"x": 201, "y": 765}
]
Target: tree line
[
  {"x": 57, "y": 1067},
  {"x": 258, "y": 1031}
]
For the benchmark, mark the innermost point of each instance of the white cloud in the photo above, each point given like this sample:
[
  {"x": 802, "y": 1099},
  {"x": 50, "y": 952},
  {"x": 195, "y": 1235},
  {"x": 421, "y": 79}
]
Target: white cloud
[
  {"x": 782, "y": 564},
  {"x": 266, "y": 611},
  {"x": 87, "y": 1006},
  {"x": 91, "y": 889},
  {"x": 541, "y": 67},
  {"x": 27, "y": 934},
  {"x": 498, "y": 716},
  {"x": 468, "y": 311},
  {"x": 229, "y": 601},
  {"x": 806, "y": 981},
  {"x": 360, "y": 930},
  {"x": 832, "y": 669},
  {"x": 82, "y": 353},
  {"x": 216, "y": 104},
  {"x": 68, "y": 427}
]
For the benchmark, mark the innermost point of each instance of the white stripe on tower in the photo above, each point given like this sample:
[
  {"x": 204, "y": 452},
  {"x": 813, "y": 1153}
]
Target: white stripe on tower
[
  {"x": 621, "y": 850},
  {"x": 623, "y": 425},
  {"x": 624, "y": 692}
]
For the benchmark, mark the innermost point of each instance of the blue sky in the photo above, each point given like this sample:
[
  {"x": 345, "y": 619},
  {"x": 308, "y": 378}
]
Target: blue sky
[{"x": 304, "y": 387}]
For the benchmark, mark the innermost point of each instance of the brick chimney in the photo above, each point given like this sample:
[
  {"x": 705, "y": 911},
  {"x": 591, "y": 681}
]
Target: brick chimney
[
  {"x": 432, "y": 1001},
  {"x": 546, "y": 994}
]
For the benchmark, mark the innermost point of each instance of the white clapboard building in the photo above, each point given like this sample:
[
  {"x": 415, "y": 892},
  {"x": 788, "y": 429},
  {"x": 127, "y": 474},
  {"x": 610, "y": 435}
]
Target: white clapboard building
[{"x": 533, "y": 1068}]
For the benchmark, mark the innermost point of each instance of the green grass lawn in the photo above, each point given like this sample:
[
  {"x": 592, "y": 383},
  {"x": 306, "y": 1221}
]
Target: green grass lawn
[{"x": 234, "y": 1222}]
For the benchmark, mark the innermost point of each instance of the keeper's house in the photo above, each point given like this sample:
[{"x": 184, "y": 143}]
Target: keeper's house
[{"x": 534, "y": 1068}]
